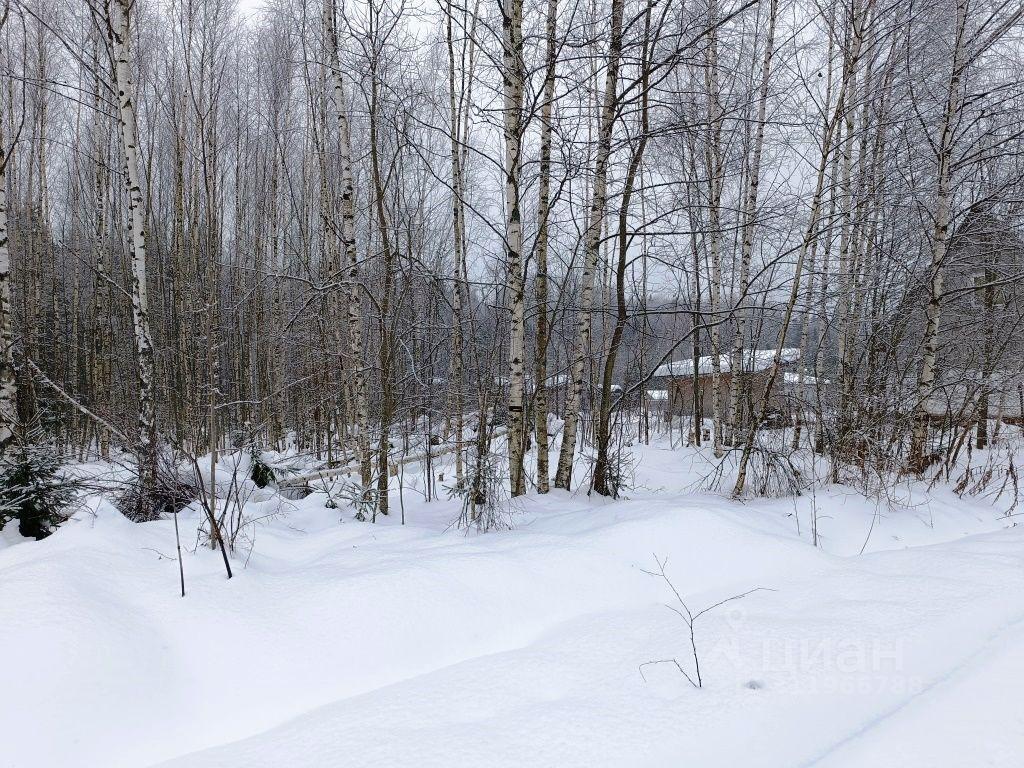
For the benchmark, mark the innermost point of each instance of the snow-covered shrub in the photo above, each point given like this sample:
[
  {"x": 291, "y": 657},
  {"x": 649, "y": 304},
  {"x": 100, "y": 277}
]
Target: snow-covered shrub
[
  {"x": 175, "y": 489},
  {"x": 363, "y": 500},
  {"x": 772, "y": 470},
  {"x": 32, "y": 489},
  {"x": 484, "y": 495},
  {"x": 619, "y": 471}
]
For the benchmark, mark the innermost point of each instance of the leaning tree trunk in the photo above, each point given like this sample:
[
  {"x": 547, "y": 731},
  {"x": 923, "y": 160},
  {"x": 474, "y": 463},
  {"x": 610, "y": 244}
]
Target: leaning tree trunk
[
  {"x": 147, "y": 448},
  {"x": 592, "y": 244},
  {"x": 604, "y": 483}
]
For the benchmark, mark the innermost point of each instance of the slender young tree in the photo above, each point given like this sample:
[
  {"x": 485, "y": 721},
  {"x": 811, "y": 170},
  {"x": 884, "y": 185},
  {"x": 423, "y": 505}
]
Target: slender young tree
[
  {"x": 940, "y": 237},
  {"x": 512, "y": 80},
  {"x": 750, "y": 202},
  {"x": 591, "y": 248},
  {"x": 348, "y": 243},
  {"x": 540, "y": 283},
  {"x": 857, "y": 32},
  {"x": 603, "y": 481}
]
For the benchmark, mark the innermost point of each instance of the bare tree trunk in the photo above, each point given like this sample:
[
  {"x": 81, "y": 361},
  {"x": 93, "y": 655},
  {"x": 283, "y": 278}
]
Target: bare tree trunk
[
  {"x": 99, "y": 375},
  {"x": 513, "y": 76},
  {"x": 604, "y": 484},
  {"x": 987, "y": 362},
  {"x": 810, "y": 234},
  {"x": 8, "y": 378},
  {"x": 844, "y": 375},
  {"x": 808, "y": 320},
  {"x": 379, "y": 181},
  {"x": 8, "y": 382},
  {"x": 592, "y": 244},
  {"x": 541, "y": 278},
  {"x": 458, "y": 241},
  {"x": 749, "y": 225},
  {"x": 348, "y": 241},
  {"x": 940, "y": 238},
  {"x": 147, "y": 447},
  {"x": 714, "y": 161}
]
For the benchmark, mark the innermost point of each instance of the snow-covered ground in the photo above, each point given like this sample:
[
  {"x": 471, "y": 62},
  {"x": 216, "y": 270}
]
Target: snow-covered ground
[{"x": 351, "y": 644}]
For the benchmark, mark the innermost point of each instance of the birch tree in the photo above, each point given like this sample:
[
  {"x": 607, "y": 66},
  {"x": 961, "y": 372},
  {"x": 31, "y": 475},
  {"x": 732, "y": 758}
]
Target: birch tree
[
  {"x": 857, "y": 26},
  {"x": 749, "y": 222},
  {"x": 348, "y": 243},
  {"x": 8, "y": 382},
  {"x": 940, "y": 237},
  {"x": 540, "y": 284},
  {"x": 591, "y": 249},
  {"x": 117, "y": 13},
  {"x": 512, "y": 82}
]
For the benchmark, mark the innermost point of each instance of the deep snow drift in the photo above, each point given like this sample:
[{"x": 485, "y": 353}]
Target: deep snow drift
[{"x": 351, "y": 644}]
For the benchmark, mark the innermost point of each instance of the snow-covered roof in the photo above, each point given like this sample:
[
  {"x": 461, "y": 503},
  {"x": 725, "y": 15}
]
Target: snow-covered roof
[
  {"x": 753, "y": 360},
  {"x": 792, "y": 377}
]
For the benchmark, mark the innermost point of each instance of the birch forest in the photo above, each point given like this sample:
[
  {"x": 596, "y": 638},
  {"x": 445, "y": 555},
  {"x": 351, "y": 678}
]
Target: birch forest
[
  {"x": 378, "y": 234},
  {"x": 375, "y": 373}
]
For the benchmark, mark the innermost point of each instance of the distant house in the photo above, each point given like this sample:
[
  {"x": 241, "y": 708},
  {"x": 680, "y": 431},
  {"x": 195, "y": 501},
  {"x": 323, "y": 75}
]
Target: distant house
[
  {"x": 655, "y": 400},
  {"x": 679, "y": 379},
  {"x": 957, "y": 394},
  {"x": 980, "y": 372}
]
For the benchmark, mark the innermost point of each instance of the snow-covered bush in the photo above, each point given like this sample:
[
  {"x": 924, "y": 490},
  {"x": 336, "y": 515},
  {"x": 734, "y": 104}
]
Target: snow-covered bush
[
  {"x": 485, "y": 499},
  {"x": 176, "y": 488},
  {"x": 364, "y": 501}
]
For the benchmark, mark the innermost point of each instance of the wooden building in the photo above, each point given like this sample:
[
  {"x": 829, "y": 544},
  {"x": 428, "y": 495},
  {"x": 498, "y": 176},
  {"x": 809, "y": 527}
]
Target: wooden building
[{"x": 679, "y": 379}]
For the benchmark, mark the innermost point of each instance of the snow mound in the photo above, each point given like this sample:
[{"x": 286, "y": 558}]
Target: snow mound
[{"x": 351, "y": 644}]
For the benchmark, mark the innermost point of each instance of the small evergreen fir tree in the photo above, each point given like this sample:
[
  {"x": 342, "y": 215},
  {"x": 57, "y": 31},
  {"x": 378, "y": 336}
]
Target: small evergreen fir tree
[
  {"x": 261, "y": 473},
  {"x": 32, "y": 490}
]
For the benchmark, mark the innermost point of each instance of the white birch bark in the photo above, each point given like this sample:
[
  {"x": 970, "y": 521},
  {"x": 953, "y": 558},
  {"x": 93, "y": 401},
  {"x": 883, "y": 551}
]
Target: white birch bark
[
  {"x": 8, "y": 383},
  {"x": 119, "y": 30},
  {"x": 845, "y": 266},
  {"x": 807, "y": 242},
  {"x": 940, "y": 238},
  {"x": 348, "y": 238},
  {"x": 458, "y": 109},
  {"x": 541, "y": 276},
  {"x": 512, "y": 74}
]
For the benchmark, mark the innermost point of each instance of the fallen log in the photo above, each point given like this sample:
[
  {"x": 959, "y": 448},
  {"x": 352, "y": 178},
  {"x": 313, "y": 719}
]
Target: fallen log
[{"x": 303, "y": 480}]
